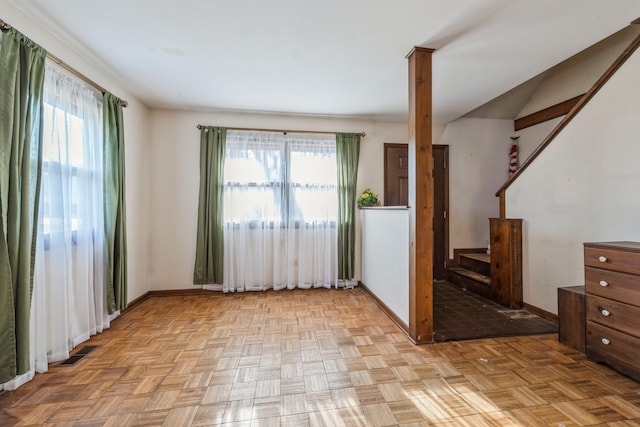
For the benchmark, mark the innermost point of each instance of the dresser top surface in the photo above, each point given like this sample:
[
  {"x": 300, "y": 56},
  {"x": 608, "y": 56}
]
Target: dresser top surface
[{"x": 622, "y": 245}]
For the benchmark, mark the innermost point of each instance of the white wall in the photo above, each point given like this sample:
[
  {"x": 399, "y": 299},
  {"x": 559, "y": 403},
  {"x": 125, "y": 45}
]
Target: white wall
[
  {"x": 385, "y": 257},
  {"x": 571, "y": 78},
  {"x": 136, "y": 139},
  {"x": 577, "y": 74},
  {"x": 478, "y": 166},
  {"x": 136, "y": 118},
  {"x": 174, "y": 163},
  {"x": 582, "y": 188},
  {"x": 532, "y": 136}
]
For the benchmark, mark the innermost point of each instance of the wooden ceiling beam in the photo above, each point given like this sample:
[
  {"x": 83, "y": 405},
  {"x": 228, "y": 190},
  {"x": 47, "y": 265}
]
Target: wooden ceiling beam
[{"x": 558, "y": 110}]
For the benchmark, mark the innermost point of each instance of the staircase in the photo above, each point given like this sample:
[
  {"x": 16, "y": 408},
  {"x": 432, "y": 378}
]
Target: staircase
[
  {"x": 473, "y": 273},
  {"x": 498, "y": 276}
]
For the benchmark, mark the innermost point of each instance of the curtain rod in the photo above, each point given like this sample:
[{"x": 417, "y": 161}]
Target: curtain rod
[
  {"x": 4, "y": 27},
  {"x": 362, "y": 134}
]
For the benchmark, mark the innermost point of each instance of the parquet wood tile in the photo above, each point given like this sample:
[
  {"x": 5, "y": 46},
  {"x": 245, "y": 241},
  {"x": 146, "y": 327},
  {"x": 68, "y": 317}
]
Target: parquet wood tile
[
  {"x": 405, "y": 411},
  {"x": 339, "y": 380},
  {"x": 319, "y": 401},
  {"x": 292, "y": 385},
  {"x": 297, "y": 420},
  {"x": 313, "y": 358}
]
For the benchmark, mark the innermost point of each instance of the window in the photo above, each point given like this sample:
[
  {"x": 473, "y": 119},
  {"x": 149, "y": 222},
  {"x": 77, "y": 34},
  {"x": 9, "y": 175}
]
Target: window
[
  {"x": 62, "y": 148},
  {"x": 69, "y": 278},
  {"x": 313, "y": 179},
  {"x": 273, "y": 179},
  {"x": 72, "y": 159},
  {"x": 280, "y": 211}
]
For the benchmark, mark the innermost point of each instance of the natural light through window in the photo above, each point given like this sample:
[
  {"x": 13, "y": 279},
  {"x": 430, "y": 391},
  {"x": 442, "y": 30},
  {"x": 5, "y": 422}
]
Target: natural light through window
[
  {"x": 280, "y": 210},
  {"x": 313, "y": 180},
  {"x": 280, "y": 182},
  {"x": 62, "y": 144}
]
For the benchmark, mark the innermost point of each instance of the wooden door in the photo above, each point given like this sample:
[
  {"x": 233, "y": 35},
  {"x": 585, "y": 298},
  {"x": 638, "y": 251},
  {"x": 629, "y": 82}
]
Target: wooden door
[
  {"x": 396, "y": 180},
  {"x": 396, "y": 175},
  {"x": 440, "y": 208}
]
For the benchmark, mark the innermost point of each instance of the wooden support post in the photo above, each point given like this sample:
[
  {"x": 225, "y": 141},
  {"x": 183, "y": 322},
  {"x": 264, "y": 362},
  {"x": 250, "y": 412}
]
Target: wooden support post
[
  {"x": 420, "y": 197},
  {"x": 506, "y": 261}
]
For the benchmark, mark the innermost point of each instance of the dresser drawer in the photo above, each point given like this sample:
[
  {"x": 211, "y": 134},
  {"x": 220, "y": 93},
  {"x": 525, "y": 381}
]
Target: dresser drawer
[
  {"x": 610, "y": 284},
  {"x": 616, "y": 315},
  {"x": 610, "y": 258},
  {"x": 606, "y": 344}
]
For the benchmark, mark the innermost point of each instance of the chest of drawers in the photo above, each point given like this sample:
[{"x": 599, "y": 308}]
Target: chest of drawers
[{"x": 612, "y": 285}]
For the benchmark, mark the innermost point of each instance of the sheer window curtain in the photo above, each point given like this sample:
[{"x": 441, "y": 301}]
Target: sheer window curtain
[
  {"x": 69, "y": 299},
  {"x": 280, "y": 211}
]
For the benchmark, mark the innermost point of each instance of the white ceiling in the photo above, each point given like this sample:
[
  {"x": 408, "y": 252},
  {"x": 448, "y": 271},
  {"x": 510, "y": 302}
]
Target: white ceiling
[{"x": 329, "y": 57}]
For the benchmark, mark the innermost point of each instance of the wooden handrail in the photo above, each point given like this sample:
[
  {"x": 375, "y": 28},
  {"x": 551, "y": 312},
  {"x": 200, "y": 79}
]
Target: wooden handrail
[{"x": 626, "y": 54}]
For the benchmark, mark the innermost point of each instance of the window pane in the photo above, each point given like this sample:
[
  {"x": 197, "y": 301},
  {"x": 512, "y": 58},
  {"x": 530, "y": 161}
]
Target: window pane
[
  {"x": 313, "y": 177},
  {"x": 280, "y": 178},
  {"x": 315, "y": 203},
  {"x": 313, "y": 168},
  {"x": 63, "y": 136},
  {"x": 255, "y": 203},
  {"x": 63, "y": 144},
  {"x": 244, "y": 170}
]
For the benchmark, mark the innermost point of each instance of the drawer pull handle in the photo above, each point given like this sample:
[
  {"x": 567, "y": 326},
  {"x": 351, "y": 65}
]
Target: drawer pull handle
[
  {"x": 605, "y": 341},
  {"x": 605, "y": 312},
  {"x": 603, "y": 283},
  {"x": 602, "y": 258}
]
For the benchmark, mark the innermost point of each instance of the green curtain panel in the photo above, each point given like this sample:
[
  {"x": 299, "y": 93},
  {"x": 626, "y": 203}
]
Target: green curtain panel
[
  {"x": 21, "y": 88},
  {"x": 348, "y": 153},
  {"x": 210, "y": 244},
  {"x": 115, "y": 204}
]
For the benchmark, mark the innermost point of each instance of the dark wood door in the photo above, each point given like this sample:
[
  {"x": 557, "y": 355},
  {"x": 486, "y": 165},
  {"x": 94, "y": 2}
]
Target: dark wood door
[
  {"x": 440, "y": 208},
  {"x": 396, "y": 175},
  {"x": 396, "y": 193}
]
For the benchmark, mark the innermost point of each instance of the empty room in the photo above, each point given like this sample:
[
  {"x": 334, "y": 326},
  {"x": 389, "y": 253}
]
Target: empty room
[{"x": 338, "y": 213}]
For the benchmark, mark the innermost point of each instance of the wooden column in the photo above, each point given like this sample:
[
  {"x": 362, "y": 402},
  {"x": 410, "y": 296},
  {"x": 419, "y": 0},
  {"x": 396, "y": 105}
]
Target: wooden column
[{"x": 420, "y": 197}]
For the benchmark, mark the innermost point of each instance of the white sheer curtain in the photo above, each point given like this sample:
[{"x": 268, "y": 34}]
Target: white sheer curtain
[
  {"x": 69, "y": 295},
  {"x": 280, "y": 209}
]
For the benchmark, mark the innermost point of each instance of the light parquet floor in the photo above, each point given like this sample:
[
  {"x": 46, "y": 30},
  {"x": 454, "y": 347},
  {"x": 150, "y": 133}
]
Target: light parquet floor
[{"x": 313, "y": 358}]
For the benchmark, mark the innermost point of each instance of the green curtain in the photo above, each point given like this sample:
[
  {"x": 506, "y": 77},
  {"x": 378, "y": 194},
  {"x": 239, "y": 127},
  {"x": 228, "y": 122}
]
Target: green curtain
[
  {"x": 21, "y": 88},
  {"x": 115, "y": 204},
  {"x": 210, "y": 244},
  {"x": 348, "y": 152}
]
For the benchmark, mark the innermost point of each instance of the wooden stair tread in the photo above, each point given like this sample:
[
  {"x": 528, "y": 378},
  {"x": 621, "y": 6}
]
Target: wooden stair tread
[
  {"x": 472, "y": 275},
  {"x": 478, "y": 257},
  {"x": 477, "y": 262}
]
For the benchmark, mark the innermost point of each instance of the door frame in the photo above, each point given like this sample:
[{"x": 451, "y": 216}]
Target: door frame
[
  {"x": 391, "y": 145},
  {"x": 445, "y": 148}
]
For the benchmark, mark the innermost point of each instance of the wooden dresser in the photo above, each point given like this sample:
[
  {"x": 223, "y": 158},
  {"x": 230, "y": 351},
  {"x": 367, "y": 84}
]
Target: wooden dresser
[{"x": 612, "y": 284}]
